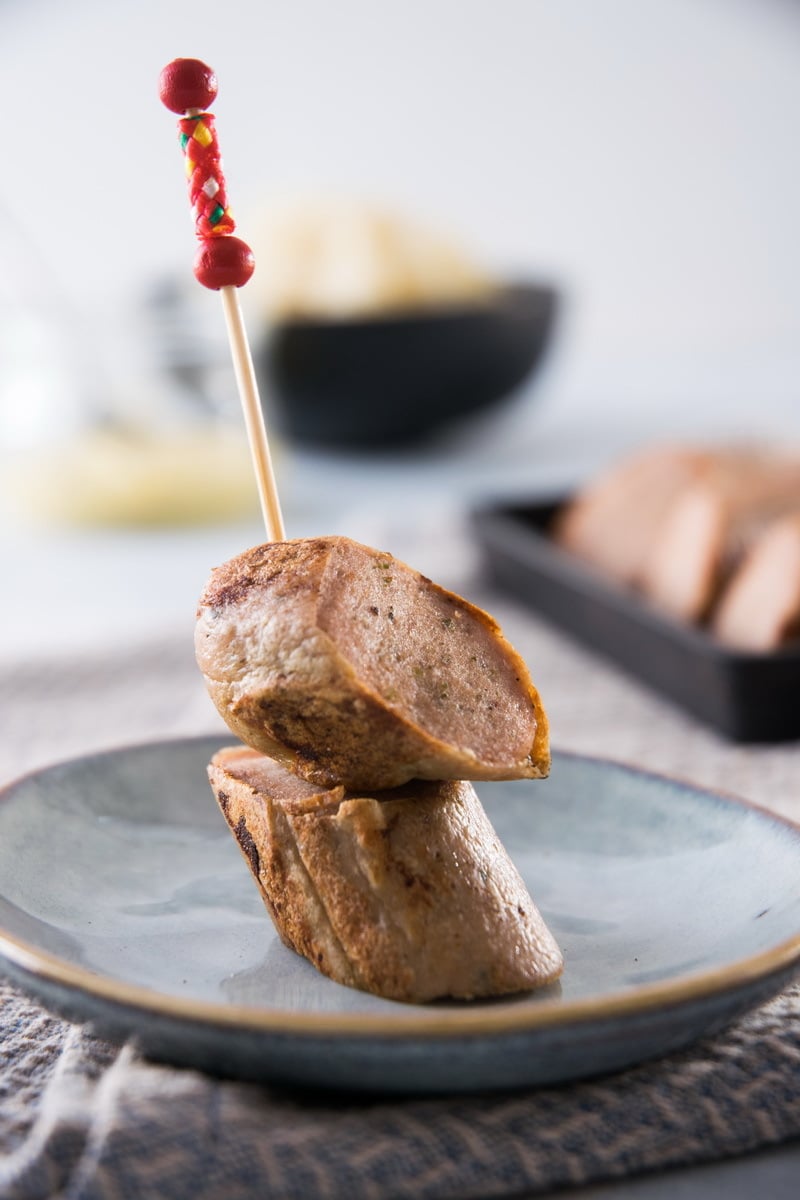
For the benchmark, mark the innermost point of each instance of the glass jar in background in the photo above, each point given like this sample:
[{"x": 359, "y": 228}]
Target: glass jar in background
[
  {"x": 126, "y": 416},
  {"x": 41, "y": 399}
]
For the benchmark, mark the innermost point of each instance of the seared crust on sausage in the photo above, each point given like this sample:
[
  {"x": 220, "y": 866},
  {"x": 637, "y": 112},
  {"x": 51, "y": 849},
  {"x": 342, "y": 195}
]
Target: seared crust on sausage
[
  {"x": 350, "y": 667},
  {"x": 407, "y": 894}
]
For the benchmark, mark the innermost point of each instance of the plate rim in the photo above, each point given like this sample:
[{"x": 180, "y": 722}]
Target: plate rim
[{"x": 497, "y": 1019}]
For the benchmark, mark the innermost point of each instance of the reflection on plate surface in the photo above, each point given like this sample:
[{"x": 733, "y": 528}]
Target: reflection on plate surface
[{"x": 125, "y": 901}]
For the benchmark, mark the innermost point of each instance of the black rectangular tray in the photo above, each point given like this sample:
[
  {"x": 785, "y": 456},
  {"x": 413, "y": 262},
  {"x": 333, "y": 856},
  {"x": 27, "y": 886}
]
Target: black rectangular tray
[{"x": 746, "y": 697}]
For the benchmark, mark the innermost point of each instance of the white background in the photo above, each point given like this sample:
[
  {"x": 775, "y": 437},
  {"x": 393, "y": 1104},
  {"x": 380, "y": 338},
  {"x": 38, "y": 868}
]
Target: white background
[{"x": 641, "y": 153}]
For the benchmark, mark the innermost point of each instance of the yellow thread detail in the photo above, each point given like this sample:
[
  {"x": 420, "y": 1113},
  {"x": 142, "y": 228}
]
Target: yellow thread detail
[{"x": 202, "y": 135}]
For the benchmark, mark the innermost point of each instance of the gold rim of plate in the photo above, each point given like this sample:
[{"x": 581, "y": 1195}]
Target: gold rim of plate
[{"x": 494, "y": 1019}]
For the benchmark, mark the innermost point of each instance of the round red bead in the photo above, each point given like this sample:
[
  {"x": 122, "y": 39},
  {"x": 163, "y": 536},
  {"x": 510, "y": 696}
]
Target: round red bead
[
  {"x": 187, "y": 83},
  {"x": 223, "y": 262}
]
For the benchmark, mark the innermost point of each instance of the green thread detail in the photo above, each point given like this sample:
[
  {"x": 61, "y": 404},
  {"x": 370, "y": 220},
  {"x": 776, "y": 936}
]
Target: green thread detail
[
  {"x": 217, "y": 215},
  {"x": 184, "y": 138}
]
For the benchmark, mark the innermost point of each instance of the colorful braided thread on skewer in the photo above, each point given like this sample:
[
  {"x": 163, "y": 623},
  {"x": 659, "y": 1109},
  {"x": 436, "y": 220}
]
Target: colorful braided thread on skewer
[
  {"x": 198, "y": 139},
  {"x": 188, "y": 86}
]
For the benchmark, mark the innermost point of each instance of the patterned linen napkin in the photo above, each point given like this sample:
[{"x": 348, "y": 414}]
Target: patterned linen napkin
[{"x": 82, "y": 1120}]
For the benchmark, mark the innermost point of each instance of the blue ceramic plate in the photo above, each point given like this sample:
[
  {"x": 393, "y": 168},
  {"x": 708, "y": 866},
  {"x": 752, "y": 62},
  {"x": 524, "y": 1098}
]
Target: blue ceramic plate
[{"x": 125, "y": 902}]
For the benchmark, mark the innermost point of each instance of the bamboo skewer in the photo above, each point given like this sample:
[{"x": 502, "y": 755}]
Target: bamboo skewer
[
  {"x": 253, "y": 415},
  {"x": 223, "y": 263}
]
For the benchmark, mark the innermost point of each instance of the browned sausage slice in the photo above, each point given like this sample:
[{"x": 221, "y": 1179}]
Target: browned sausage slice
[
  {"x": 350, "y": 667},
  {"x": 407, "y": 893}
]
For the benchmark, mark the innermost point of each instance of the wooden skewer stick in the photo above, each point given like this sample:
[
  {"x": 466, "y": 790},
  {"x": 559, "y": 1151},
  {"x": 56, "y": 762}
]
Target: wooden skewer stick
[
  {"x": 223, "y": 263},
  {"x": 253, "y": 415}
]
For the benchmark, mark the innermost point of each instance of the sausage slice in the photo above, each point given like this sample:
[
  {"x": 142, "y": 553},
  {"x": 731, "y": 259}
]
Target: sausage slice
[
  {"x": 350, "y": 667},
  {"x": 711, "y": 525},
  {"x": 760, "y": 608},
  {"x": 406, "y": 893},
  {"x": 613, "y": 521}
]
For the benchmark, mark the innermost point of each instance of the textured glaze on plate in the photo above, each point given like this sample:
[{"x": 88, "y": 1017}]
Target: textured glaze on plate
[{"x": 124, "y": 901}]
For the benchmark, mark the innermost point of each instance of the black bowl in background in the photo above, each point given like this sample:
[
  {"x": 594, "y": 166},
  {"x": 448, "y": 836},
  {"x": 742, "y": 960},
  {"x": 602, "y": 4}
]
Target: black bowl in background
[{"x": 371, "y": 382}]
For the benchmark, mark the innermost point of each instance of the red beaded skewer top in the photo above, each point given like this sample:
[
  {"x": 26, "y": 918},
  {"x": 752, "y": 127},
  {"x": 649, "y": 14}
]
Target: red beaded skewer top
[{"x": 188, "y": 86}]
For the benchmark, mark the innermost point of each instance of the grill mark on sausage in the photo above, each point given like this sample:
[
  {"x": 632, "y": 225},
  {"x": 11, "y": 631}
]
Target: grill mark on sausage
[
  {"x": 259, "y": 567},
  {"x": 245, "y": 840},
  {"x": 235, "y": 590}
]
